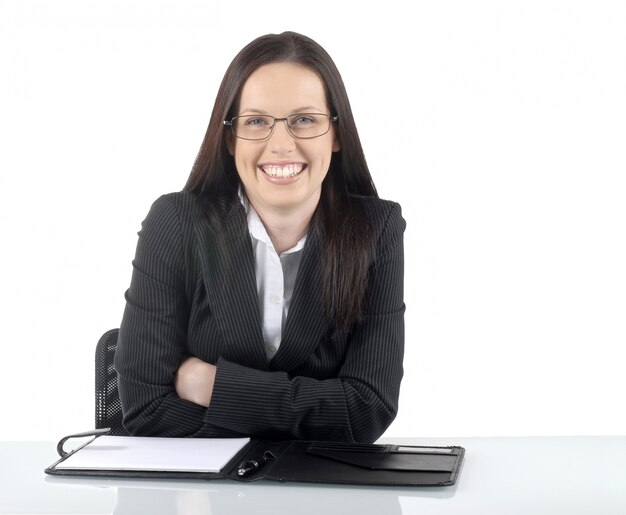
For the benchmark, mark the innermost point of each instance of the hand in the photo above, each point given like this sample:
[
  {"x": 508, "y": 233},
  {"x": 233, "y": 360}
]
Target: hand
[{"x": 194, "y": 381}]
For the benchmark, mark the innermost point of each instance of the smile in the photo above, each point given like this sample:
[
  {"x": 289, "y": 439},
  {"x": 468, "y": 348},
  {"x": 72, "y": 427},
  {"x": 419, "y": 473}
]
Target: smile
[{"x": 288, "y": 170}]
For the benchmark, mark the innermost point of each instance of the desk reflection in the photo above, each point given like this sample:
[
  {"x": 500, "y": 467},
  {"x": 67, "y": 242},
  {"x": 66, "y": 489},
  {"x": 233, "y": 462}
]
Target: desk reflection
[
  {"x": 226, "y": 498},
  {"x": 162, "y": 501},
  {"x": 257, "y": 499}
]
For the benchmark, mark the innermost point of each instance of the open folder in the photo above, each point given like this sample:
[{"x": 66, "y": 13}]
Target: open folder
[{"x": 245, "y": 459}]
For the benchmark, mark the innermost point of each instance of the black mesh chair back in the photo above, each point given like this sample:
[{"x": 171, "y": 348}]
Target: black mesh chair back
[{"x": 108, "y": 405}]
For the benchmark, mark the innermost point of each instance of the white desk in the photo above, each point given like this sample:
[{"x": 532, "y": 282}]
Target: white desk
[{"x": 504, "y": 476}]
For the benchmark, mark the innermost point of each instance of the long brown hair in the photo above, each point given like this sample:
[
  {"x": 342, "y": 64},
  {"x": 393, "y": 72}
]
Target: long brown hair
[{"x": 339, "y": 216}]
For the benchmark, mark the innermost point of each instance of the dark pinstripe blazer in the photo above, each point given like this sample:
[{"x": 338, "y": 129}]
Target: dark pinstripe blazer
[{"x": 185, "y": 298}]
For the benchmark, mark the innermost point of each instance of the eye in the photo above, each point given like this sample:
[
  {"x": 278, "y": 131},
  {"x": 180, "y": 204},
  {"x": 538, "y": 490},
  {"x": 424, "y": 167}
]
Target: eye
[
  {"x": 302, "y": 120},
  {"x": 257, "y": 121}
]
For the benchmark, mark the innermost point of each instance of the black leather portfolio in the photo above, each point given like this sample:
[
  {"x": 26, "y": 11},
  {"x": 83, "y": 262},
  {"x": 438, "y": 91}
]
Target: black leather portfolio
[{"x": 254, "y": 459}]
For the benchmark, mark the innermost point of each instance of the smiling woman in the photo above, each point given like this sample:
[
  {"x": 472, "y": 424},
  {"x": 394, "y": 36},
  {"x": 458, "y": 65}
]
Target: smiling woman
[{"x": 267, "y": 296}]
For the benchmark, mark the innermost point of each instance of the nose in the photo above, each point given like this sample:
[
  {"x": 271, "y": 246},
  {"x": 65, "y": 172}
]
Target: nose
[{"x": 281, "y": 140}]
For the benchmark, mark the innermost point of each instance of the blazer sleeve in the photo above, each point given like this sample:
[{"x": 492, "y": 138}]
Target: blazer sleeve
[
  {"x": 152, "y": 336},
  {"x": 356, "y": 405}
]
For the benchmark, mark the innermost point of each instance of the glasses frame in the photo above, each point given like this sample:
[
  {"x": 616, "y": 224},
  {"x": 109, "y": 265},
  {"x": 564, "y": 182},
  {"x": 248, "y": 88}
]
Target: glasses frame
[{"x": 231, "y": 123}]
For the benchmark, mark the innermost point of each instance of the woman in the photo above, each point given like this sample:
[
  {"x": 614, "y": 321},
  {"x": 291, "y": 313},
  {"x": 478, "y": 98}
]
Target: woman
[{"x": 267, "y": 297}]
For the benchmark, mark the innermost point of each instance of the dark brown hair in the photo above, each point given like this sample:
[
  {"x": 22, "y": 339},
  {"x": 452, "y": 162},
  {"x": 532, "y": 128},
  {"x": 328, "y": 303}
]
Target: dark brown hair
[{"x": 338, "y": 217}]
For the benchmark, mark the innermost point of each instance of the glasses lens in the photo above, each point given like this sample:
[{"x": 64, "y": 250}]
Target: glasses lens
[
  {"x": 308, "y": 125},
  {"x": 253, "y": 126}
]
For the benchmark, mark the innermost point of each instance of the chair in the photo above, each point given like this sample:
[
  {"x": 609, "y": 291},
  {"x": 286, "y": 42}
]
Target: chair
[{"x": 108, "y": 405}]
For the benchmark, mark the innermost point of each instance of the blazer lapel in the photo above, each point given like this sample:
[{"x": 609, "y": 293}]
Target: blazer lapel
[
  {"x": 305, "y": 324},
  {"x": 230, "y": 282}
]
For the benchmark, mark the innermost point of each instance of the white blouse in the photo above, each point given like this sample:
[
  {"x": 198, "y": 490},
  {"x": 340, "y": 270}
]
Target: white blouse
[{"x": 275, "y": 279}]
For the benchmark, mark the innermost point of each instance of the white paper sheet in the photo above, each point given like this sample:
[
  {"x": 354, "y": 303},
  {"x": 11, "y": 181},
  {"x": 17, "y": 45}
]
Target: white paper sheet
[{"x": 154, "y": 453}]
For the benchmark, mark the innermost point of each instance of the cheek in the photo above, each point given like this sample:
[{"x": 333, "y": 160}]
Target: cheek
[
  {"x": 326, "y": 154},
  {"x": 242, "y": 168},
  {"x": 317, "y": 149},
  {"x": 245, "y": 158}
]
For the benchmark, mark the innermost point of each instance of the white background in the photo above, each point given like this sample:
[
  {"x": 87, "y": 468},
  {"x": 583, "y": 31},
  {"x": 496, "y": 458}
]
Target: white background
[{"x": 500, "y": 126}]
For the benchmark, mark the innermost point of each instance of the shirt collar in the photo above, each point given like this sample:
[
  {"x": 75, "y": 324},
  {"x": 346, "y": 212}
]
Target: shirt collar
[{"x": 257, "y": 229}]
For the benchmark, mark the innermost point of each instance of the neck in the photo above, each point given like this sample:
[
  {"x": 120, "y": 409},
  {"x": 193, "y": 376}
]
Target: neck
[{"x": 285, "y": 227}]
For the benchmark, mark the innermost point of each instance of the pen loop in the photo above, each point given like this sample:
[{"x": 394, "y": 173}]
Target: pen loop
[{"x": 269, "y": 456}]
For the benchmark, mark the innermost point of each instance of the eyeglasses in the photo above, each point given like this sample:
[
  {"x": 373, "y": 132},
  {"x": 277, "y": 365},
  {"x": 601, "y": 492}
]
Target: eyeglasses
[{"x": 299, "y": 125}]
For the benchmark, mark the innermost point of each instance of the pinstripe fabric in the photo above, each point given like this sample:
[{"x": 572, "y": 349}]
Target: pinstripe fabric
[{"x": 186, "y": 299}]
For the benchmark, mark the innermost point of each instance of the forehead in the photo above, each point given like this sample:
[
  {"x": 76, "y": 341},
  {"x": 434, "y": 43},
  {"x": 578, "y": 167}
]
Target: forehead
[{"x": 284, "y": 87}]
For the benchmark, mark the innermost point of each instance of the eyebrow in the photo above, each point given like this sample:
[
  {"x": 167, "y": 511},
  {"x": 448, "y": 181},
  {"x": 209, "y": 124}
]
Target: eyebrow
[{"x": 304, "y": 109}]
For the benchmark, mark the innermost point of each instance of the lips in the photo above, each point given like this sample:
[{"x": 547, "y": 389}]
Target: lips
[{"x": 282, "y": 171}]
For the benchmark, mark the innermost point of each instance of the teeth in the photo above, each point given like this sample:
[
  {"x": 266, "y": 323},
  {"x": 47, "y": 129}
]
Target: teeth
[{"x": 283, "y": 171}]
